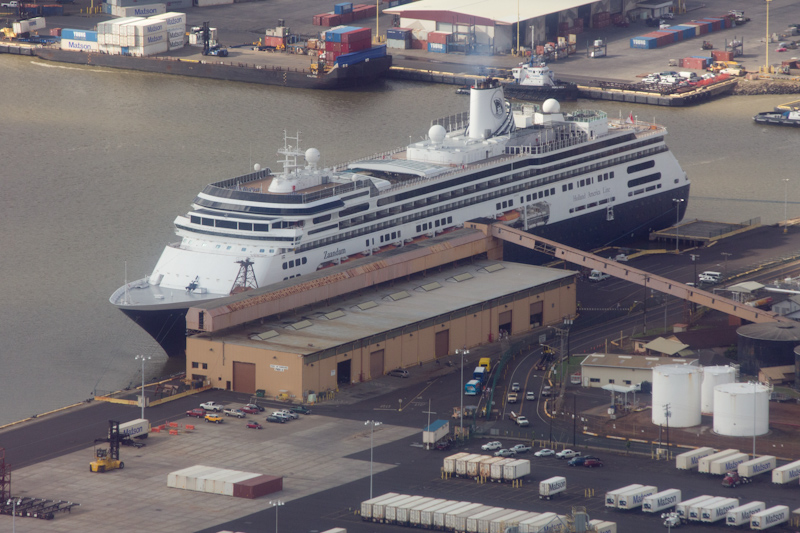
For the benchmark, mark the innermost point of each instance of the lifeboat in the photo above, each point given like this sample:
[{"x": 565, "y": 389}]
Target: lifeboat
[{"x": 509, "y": 217}]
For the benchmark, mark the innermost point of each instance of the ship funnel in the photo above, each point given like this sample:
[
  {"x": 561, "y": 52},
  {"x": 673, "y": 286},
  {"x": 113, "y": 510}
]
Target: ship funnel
[{"x": 488, "y": 115}]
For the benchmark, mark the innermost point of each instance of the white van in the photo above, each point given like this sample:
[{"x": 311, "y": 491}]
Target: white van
[{"x": 710, "y": 277}]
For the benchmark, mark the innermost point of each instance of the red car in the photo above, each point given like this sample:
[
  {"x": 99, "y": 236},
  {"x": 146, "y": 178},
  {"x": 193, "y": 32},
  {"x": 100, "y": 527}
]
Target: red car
[
  {"x": 249, "y": 410},
  {"x": 199, "y": 412},
  {"x": 591, "y": 463},
  {"x": 254, "y": 425}
]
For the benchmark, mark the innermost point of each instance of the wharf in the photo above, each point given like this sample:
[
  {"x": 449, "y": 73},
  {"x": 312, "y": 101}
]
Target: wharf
[
  {"x": 703, "y": 232},
  {"x": 788, "y": 106}
]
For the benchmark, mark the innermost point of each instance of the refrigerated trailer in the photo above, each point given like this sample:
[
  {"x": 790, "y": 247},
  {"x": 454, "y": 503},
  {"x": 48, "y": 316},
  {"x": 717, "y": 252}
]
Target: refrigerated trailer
[
  {"x": 682, "y": 509},
  {"x": 366, "y": 506},
  {"x": 705, "y": 462},
  {"x": 426, "y": 515},
  {"x": 379, "y": 508},
  {"x": 756, "y": 466},
  {"x": 415, "y": 512},
  {"x": 786, "y": 473},
  {"x": 552, "y": 486},
  {"x": 769, "y": 517},
  {"x": 440, "y": 516},
  {"x": 634, "y": 498},
  {"x": 612, "y": 497},
  {"x": 602, "y": 526},
  {"x": 695, "y": 512},
  {"x": 722, "y": 466},
  {"x": 690, "y": 459},
  {"x": 399, "y": 509},
  {"x": 661, "y": 500},
  {"x": 741, "y": 515},
  {"x": 507, "y": 520},
  {"x": 450, "y": 462},
  {"x": 516, "y": 469},
  {"x": 717, "y": 511}
]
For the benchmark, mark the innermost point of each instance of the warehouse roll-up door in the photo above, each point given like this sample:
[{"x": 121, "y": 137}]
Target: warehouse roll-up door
[
  {"x": 442, "y": 342},
  {"x": 376, "y": 364},
  {"x": 244, "y": 377},
  {"x": 504, "y": 321}
]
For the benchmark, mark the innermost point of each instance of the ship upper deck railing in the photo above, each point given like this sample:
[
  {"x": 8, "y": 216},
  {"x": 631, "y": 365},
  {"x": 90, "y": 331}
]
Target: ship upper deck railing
[{"x": 640, "y": 128}]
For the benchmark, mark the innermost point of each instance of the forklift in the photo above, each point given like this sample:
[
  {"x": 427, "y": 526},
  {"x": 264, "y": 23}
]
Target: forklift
[{"x": 108, "y": 459}]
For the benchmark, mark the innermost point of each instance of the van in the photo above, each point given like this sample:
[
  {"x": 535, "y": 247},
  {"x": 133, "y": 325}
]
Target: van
[
  {"x": 596, "y": 275},
  {"x": 486, "y": 363},
  {"x": 689, "y": 76},
  {"x": 710, "y": 277}
]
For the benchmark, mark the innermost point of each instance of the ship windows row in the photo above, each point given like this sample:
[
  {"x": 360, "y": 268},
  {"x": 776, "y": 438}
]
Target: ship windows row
[
  {"x": 505, "y": 204},
  {"x": 421, "y": 228},
  {"x": 643, "y": 190},
  {"x": 591, "y": 205},
  {"x": 584, "y": 182},
  {"x": 292, "y": 276},
  {"x": 389, "y": 237},
  {"x": 244, "y": 249},
  {"x": 230, "y": 224},
  {"x": 644, "y": 179},
  {"x": 540, "y": 194},
  {"x": 295, "y": 262}
]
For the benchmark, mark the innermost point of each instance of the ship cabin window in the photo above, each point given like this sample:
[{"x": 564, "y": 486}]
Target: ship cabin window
[
  {"x": 611, "y": 174},
  {"x": 208, "y": 221},
  {"x": 194, "y": 220},
  {"x": 229, "y": 247},
  {"x": 641, "y": 166},
  {"x": 564, "y": 188},
  {"x": 244, "y": 249},
  {"x": 246, "y": 226},
  {"x": 227, "y": 224},
  {"x": 218, "y": 246},
  {"x": 569, "y": 186},
  {"x": 582, "y": 183},
  {"x": 261, "y": 251},
  {"x": 553, "y": 191},
  {"x": 323, "y": 218},
  {"x": 261, "y": 227}
]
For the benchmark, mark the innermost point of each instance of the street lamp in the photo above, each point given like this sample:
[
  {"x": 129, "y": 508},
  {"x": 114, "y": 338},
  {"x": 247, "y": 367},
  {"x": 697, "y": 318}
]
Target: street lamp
[
  {"x": 726, "y": 255},
  {"x": 677, "y": 220},
  {"x": 371, "y": 423},
  {"x": 143, "y": 358},
  {"x": 276, "y": 504},
  {"x": 785, "y": 196},
  {"x": 462, "y": 352},
  {"x": 14, "y": 502}
]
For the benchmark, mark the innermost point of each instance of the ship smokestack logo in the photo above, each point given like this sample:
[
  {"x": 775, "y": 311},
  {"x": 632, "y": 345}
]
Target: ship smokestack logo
[{"x": 497, "y": 106}]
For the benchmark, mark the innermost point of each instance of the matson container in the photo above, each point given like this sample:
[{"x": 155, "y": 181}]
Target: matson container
[
  {"x": 769, "y": 517},
  {"x": 717, "y": 511},
  {"x": 634, "y": 498},
  {"x": 366, "y": 506},
  {"x": 756, "y": 466},
  {"x": 601, "y": 526},
  {"x": 79, "y": 46},
  {"x": 505, "y": 521},
  {"x": 486, "y": 465},
  {"x": 694, "y": 511},
  {"x": 682, "y": 509},
  {"x": 661, "y": 500},
  {"x": 552, "y": 524},
  {"x": 379, "y": 508},
  {"x": 786, "y": 473},
  {"x": 690, "y": 459},
  {"x": 612, "y": 497},
  {"x": 426, "y": 516},
  {"x": 440, "y": 515},
  {"x": 474, "y": 465},
  {"x": 461, "y": 464},
  {"x": 741, "y": 515},
  {"x": 726, "y": 464},
  {"x": 475, "y": 519},
  {"x": 172, "y": 18},
  {"x": 705, "y": 463},
  {"x": 391, "y": 509},
  {"x": 403, "y": 515},
  {"x": 458, "y": 522},
  {"x": 552, "y": 486},
  {"x": 516, "y": 469}
]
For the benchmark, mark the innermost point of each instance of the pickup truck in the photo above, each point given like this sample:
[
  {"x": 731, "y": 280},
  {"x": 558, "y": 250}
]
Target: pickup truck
[
  {"x": 211, "y": 406},
  {"x": 520, "y": 448},
  {"x": 512, "y": 397},
  {"x": 238, "y": 413},
  {"x": 522, "y": 421},
  {"x": 13, "y": 3},
  {"x": 567, "y": 454}
]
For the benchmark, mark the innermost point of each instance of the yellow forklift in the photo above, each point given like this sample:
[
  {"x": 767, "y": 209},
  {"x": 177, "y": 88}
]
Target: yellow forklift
[{"x": 108, "y": 459}]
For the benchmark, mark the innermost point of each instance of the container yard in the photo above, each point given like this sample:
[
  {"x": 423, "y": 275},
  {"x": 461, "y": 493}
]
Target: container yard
[
  {"x": 688, "y": 30},
  {"x": 786, "y": 473}
]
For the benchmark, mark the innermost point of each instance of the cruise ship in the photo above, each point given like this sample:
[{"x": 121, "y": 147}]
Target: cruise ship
[{"x": 578, "y": 178}]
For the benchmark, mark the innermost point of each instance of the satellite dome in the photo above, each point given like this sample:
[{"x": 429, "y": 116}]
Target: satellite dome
[
  {"x": 256, "y": 167},
  {"x": 437, "y": 133},
  {"x": 551, "y": 105},
  {"x": 312, "y": 156}
]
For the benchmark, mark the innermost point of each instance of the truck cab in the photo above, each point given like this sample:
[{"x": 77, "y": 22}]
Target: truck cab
[{"x": 486, "y": 363}]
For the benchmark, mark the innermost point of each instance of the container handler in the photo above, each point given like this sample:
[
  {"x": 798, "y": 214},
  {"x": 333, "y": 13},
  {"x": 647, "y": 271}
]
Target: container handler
[{"x": 108, "y": 459}]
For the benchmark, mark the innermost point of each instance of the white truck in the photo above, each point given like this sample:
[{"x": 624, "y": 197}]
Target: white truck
[
  {"x": 661, "y": 500},
  {"x": 682, "y": 509},
  {"x": 741, "y": 515},
  {"x": 211, "y": 406},
  {"x": 770, "y": 517},
  {"x": 786, "y": 473},
  {"x": 612, "y": 496},
  {"x": 135, "y": 429},
  {"x": 634, "y": 498},
  {"x": 596, "y": 275},
  {"x": 704, "y": 464},
  {"x": 690, "y": 459},
  {"x": 552, "y": 486},
  {"x": 721, "y": 466},
  {"x": 717, "y": 511},
  {"x": 522, "y": 421}
]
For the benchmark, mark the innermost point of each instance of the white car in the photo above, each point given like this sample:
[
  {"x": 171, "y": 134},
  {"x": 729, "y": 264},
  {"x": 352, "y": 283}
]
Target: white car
[
  {"x": 211, "y": 406},
  {"x": 567, "y": 454},
  {"x": 530, "y": 395},
  {"x": 494, "y": 445},
  {"x": 515, "y": 387},
  {"x": 290, "y": 414},
  {"x": 520, "y": 448},
  {"x": 281, "y": 415},
  {"x": 544, "y": 452}
]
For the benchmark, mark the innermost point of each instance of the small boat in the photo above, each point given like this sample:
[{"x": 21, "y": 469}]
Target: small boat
[{"x": 780, "y": 118}]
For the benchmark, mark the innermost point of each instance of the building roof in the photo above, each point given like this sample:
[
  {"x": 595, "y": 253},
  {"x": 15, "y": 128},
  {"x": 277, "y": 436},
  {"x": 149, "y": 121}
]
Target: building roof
[
  {"x": 497, "y": 11},
  {"x": 662, "y": 345},
  {"x": 745, "y": 286},
  {"x": 436, "y": 425},
  {"x": 776, "y": 373},
  {"x": 635, "y": 362}
]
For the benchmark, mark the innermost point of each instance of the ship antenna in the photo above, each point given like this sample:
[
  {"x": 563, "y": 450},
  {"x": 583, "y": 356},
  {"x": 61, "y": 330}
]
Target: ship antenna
[
  {"x": 127, "y": 300},
  {"x": 290, "y": 153}
]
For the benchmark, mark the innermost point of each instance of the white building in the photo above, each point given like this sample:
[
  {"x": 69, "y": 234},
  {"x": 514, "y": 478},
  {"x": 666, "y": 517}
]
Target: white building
[{"x": 599, "y": 369}]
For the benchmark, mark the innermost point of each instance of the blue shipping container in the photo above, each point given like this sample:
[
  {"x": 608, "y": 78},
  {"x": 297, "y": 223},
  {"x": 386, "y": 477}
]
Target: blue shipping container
[
  {"x": 79, "y": 35},
  {"x": 399, "y": 34},
  {"x": 357, "y": 57},
  {"x": 437, "y": 47},
  {"x": 646, "y": 43},
  {"x": 52, "y": 11},
  {"x": 343, "y": 8},
  {"x": 335, "y": 35}
]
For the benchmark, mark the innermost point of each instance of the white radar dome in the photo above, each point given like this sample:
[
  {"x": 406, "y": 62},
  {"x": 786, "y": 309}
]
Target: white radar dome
[
  {"x": 256, "y": 167},
  {"x": 312, "y": 156},
  {"x": 437, "y": 133},
  {"x": 551, "y": 105}
]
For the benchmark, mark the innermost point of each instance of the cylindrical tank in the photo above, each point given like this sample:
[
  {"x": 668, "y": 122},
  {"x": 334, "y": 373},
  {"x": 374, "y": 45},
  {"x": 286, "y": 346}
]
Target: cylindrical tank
[
  {"x": 713, "y": 376},
  {"x": 767, "y": 344},
  {"x": 741, "y": 409},
  {"x": 676, "y": 386}
]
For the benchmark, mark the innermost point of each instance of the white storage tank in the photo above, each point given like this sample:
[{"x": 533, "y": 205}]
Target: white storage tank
[
  {"x": 741, "y": 409},
  {"x": 679, "y": 387},
  {"x": 713, "y": 376}
]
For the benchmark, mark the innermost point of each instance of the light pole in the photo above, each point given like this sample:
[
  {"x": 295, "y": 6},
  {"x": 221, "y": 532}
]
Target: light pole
[
  {"x": 677, "y": 220},
  {"x": 276, "y": 504},
  {"x": 766, "y": 41},
  {"x": 755, "y": 390},
  {"x": 785, "y": 196},
  {"x": 726, "y": 255},
  {"x": 14, "y": 502},
  {"x": 371, "y": 423},
  {"x": 462, "y": 352},
  {"x": 143, "y": 358},
  {"x": 695, "y": 283},
  {"x": 567, "y": 326}
]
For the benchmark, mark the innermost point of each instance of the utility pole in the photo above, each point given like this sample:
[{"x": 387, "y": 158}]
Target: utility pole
[
  {"x": 667, "y": 414},
  {"x": 726, "y": 255},
  {"x": 785, "y": 196},
  {"x": 695, "y": 282},
  {"x": 574, "y": 417},
  {"x": 678, "y": 202}
]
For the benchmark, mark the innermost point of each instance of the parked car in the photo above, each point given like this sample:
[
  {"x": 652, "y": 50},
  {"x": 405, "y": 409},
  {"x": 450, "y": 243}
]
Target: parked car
[
  {"x": 213, "y": 417},
  {"x": 520, "y": 448},
  {"x": 276, "y": 419},
  {"x": 444, "y": 444},
  {"x": 255, "y": 406},
  {"x": 591, "y": 463},
  {"x": 494, "y": 445},
  {"x": 505, "y": 453},
  {"x": 300, "y": 409},
  {"x": 567, "y": 454},
  {"x": 399, "y": 373},
  {"x": 238, "y": 413},
  {"x": 515, "y": 387},
  {"x": 211, "y": 406},
  {"x": 198, "y": 412},
  {"x": 291, "y": 414},
  {"x": 281, "y": 414},
  {"x": 544, "y": 452},
  {"x": 249, "y": 410},
  {"x": 580, "y": 460},
  {"x": 522, "y": 421},
  {"x": 530, "y": 395},
  {"x": 254, "y": 425}
]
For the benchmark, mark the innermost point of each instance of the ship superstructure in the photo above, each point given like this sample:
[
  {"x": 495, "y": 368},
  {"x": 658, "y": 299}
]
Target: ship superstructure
[{"x": 577, "y": 178}]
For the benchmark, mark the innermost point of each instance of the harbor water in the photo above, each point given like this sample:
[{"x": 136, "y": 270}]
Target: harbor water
[{"x": 97, "y": 163}]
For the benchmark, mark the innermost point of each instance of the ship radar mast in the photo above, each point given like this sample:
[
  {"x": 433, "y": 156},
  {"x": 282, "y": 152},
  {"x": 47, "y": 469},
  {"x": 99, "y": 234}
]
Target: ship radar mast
[
  {"x": 290, "y": 153},
  {"x": 246, "y": 279}
]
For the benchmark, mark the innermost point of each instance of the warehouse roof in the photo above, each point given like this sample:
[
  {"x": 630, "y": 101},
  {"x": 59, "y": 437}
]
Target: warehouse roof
[
  {"x": 498, "y": 11},
  {"x": 632, "y": 361},
  {"x": 662, "y": 345}
]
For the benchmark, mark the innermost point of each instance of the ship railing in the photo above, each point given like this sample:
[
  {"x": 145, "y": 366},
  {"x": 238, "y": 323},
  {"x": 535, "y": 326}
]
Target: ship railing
[
  {"x": 459, "y": 121},
  {"x": 544, "y": 148},
  {"x": 341, "y": 167}
]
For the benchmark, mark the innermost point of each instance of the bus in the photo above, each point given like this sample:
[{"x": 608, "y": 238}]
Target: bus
[
  {"x": 473, "y": 388},
  {"x": 481, "y": 374}
]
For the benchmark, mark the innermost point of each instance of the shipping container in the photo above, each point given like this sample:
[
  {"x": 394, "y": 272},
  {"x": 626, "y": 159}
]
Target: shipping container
[
  {"x": 426, "y": 516},
  {"x": 379, "y": 508},
  {"x": 552, "y": 486},
  {"x": 79, "y": 46},
  {"x": 208, "y": 3},
  {"x": 633, "y": 498},
  {"x": 717, "y": 511},
  {"x": 555, "y": 524},
  {"x": 474, "y": 465},
  {"x": 398, "y": 507},
  {"x": 612, "y": 497},
  {"x": 450, "y": 462},
  {"x": 497, "y": 469},
  {"x": 705, "y": 462},
  {"x": 403, "y": 512},
  {"x": 440, "y": 37},
  {"x": 689, "y": 460},
  {"x": 458, "y": 521},
  {"x": 786, "y": 473},
  {"x": 682, "y": 509},
  {"x": 532, "y": 524},
  {"x": 442, "y": 49},
  {"x": 516, "y": 469},
  {"x": 727, "y": 464},
  {"x": 661, "y": 500},
  {"x": 508, "y": 520},
  {"x": 741, "y": 515},
  {"x": 769, "y": 517},
  {"x": 694, "y": 511},
  {"x": 461, "y": 464},
  {"x": 172, "y": 19},
  {"x": 485, "y": 469},
  {"x": 473, "y": 521},
  {"x": 439, "y": 517},
  {"x": 643, "y": 42},
  {"x": 366, "y": 505},
  {"x": 601, "y": 526},
  {"x": 258, "y": 486},
  {"x": 141, "y": 427},
  {"x": 344, "y": 7},
  {"x": 756, "y": 466},
  {"x": 415, "y": 513}
]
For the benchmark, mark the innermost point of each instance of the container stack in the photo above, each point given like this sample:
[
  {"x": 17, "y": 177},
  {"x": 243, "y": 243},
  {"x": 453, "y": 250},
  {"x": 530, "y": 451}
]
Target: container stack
[
  {"x": 439, "y": 41},
  {"x": 196, "y": 36},
  {"x": 601, "y": 19},
  {"x": 234, "y": 483},
  {"x": 696, "y": 62},
  {"x": 147, "y": 37},
  {"x": 141, "y": 36},
  {"x": 398, "y": 38},
  {"x": 44, "y": 10},
  {"x": 276, "y": 37},
  {"x": 79, "y": 40},
  {"x": 344, "y": 13},
  {"x": 133, "y": 8},
  {"x": 680, "y": 32},
  {"x": 176, "y": 29},
  {"x": 346, "y": 39}
]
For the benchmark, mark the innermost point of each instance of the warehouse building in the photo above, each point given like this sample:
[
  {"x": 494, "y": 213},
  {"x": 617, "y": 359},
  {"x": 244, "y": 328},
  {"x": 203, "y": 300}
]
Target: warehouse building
[
  {"x": 600, "y": 369},
  {"x": 397, "y": 324}
]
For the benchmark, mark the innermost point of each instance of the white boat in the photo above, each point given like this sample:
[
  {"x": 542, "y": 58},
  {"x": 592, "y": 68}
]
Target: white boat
[
  {"x": 577, "y": 178},
  {"x": 779, "y": 118}
]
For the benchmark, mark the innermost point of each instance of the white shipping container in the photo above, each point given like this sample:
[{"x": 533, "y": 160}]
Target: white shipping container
[
  {"x": 427, "y": 515},
  {"x": 390, "y": 513},
  {"x": 79, "y": 46},
  {"x": 147, "y": 27},
  {"x": 682, "y": 509},
  {"x": 690, "y": 459},
  {"x": 24, "y": 26},
  {"x": 148, "y": 40},
  {"x": 379, "y": 508},
  {"x": 458, "y": 522},
  {"x": 718, "y": 511},
  {"x": 532, "y": 524},
  {"x": 403, "y": 515},
  {"x": 175, "y": 45},
  {"x": 150, "y": 50},
  {"x": 474, "y": 465},
  {"x": 140, "y": 11},
  {"x": 473, "y": 520},
  {"x": 510, "y": 519},
  {"x": 705, "y": 462},
  {"x": 498, "y": 468},
  {"x": 178, "y": 33},
  {"x": 612, "y": 497},
  {"x": 741, "y": 515},
  {"x": 633, "y": 499},
  {"x": 661, "y": 500},
  {"x": 557, "y": 524},
  {"x": 486, "y": 465},
  {"x": 727, "y": 464},
  {"x": 461, "y": 463},
  {"x": 366, "y": 505},
  {"x": 230, "y": 484},
  {"x": 551, "y": 486},
  {"x": 135, "y": 428},
  {"x": 415, "y": 513},
  {"x": 172, "y": 18},
  {"x": 191, "y": 479},
  {"x": 449, "y": 462},
  {"x": 786, "y": 473},
  {"x": 516, "y": 469},
  {"x": 440, "y": 515},
  {"x": 769, "y": 517},
  {"x": 601, "y": 526},
  {"x": 694, "y": 511},
  {"x": 756, "y": 466}
]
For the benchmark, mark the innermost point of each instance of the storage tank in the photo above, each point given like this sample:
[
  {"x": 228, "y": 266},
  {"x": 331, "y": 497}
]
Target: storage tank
[
  {"x": 767, "y": 344},
  {"x": 679, "y": 387},
  {"x": 741, "y": 409},
  {"x": 713, "y": 376}
]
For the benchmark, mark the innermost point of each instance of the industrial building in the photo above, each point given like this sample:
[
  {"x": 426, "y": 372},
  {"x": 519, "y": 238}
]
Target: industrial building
[
  {"x": 599, "y": 369},
  {"x": 366, "y": 333}
]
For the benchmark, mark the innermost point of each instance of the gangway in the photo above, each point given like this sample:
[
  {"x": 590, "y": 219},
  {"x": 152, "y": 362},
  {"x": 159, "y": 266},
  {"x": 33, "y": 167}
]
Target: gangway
[{"x": 623, "y": 271}]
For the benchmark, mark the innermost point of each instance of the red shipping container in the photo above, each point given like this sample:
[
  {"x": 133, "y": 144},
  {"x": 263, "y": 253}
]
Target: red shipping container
[
  {"x": 346, "y": 18},
  {"x": 257, "y": 487},
  {"x": 417, "y": 44},
  {"x": 439, "y": 37},
  {"x": 360, "y": 34},
  {"x": 273, "y": 41},
  {"x": 55, "y": 32}
]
